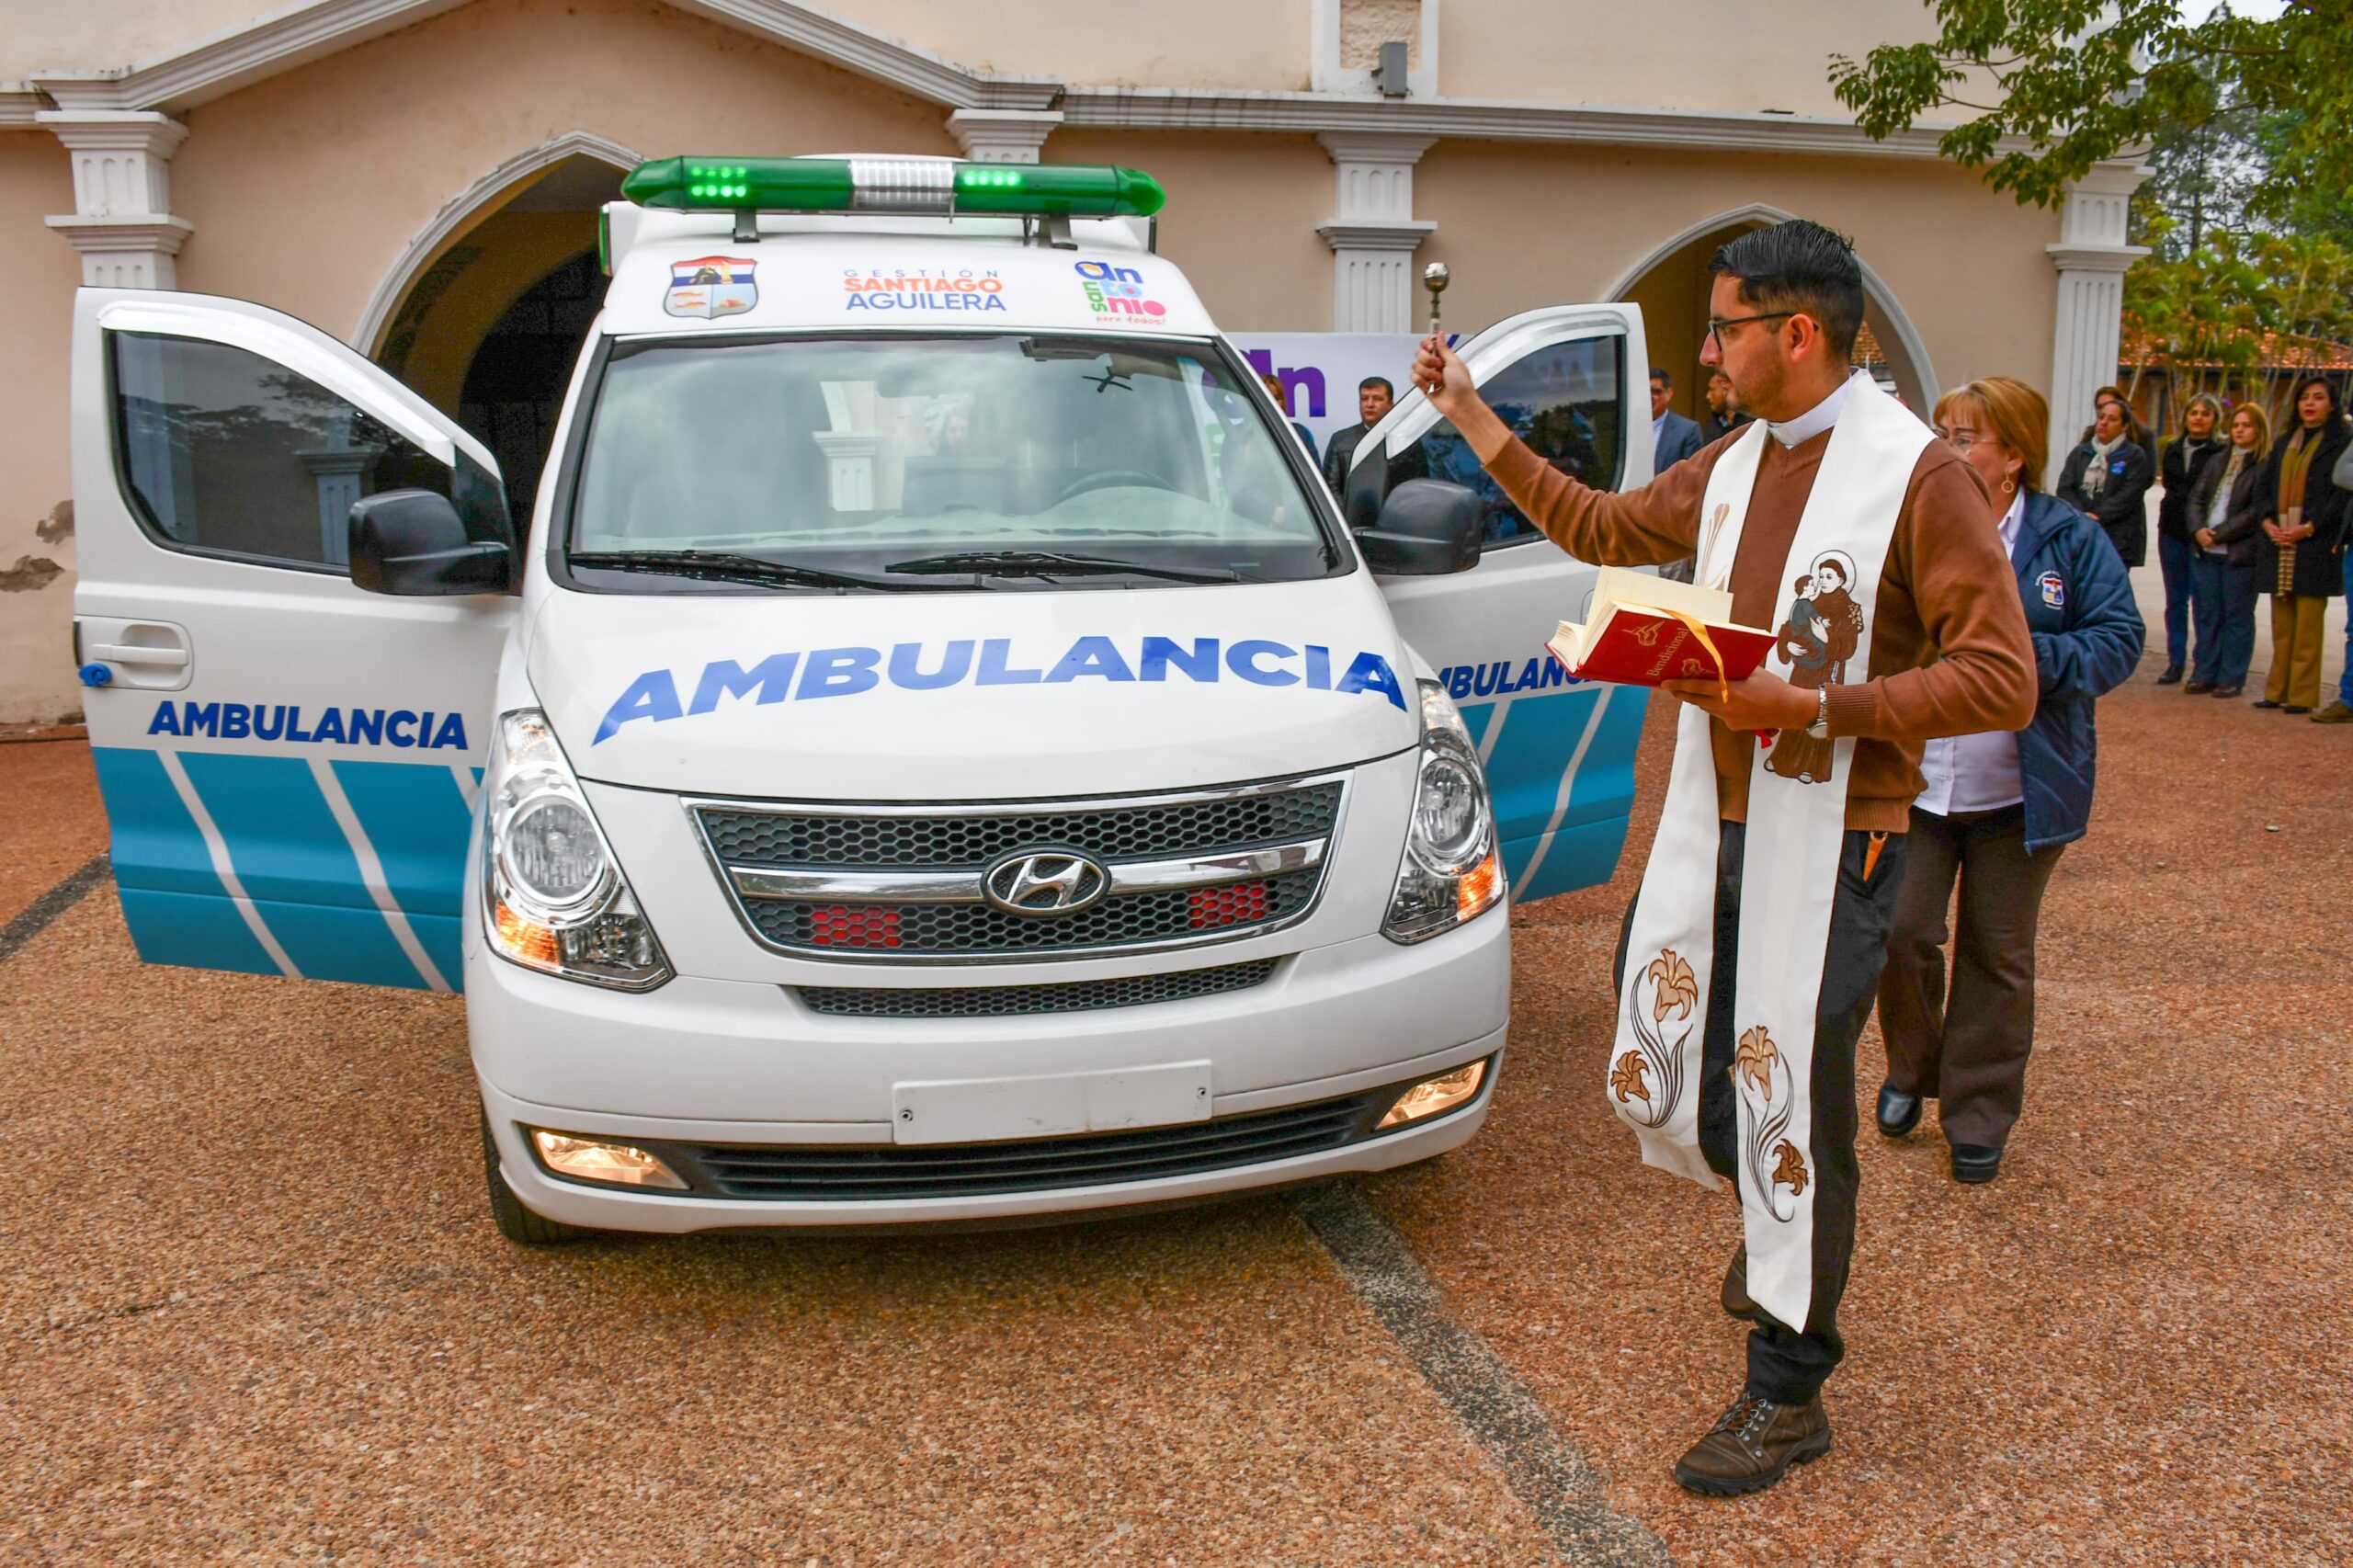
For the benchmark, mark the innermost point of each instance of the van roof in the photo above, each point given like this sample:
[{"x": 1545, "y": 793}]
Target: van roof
[{"x": 681, "y": 271}]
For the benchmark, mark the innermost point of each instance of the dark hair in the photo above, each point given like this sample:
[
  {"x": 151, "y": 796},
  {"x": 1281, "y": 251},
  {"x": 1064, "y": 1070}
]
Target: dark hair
[
  {"x": 2303, "y": 383},
  {"x": 1799, "y": 266},
  {"x": 1662, "y": 378},
  {"x": 1381, "y": 381}
]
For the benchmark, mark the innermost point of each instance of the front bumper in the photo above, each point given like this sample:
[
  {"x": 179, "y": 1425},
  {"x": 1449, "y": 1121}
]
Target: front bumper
[
  {"x": 705, "y": 1062},
  {"x": 1357, "y": 1148}
]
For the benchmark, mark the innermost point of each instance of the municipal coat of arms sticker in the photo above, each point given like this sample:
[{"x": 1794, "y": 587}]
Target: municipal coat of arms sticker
[{"x": 712, "y": 285}]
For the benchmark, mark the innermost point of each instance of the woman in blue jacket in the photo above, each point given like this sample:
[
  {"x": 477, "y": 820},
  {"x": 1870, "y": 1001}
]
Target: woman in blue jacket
[{"x": 1999, "y": 806}]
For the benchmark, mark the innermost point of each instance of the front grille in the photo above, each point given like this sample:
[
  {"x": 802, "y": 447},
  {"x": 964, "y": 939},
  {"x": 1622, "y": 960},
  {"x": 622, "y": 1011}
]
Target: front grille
[
  {"x": 947, "y": 843},
  {"x": 848, "y": 1173},
  {"x": 921, "y": 930},
  {"x": 887, "y": 885},
  {"x": 1009, "y": 1001}
]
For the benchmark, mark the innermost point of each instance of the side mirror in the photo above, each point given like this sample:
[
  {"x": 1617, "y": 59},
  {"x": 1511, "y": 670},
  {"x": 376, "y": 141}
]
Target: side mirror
[
  {"x": 412, "y": 541},
  {"x": 1427, "y": 527}
]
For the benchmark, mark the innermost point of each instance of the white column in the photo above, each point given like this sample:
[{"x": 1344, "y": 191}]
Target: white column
[
  {"x": 1003, "y": 135},
  {"x": 1373, "y": 232},
  {"x": 121, "y": 220},
  {"x": 2091, "y": 256}
]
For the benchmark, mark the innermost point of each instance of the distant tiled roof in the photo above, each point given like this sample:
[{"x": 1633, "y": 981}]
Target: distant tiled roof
[
  {"x": 1867, "y": 350},
  {"x": 2279, "y": 350}
]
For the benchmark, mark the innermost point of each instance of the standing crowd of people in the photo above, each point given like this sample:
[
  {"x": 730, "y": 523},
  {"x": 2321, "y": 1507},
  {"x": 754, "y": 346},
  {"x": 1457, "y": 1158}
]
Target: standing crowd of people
[{"x": 2244, "y": 511}]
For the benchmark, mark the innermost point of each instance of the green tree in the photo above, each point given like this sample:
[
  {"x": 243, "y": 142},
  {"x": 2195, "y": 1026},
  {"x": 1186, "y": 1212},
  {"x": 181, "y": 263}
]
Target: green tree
[{"x": 2054, "y": 86}]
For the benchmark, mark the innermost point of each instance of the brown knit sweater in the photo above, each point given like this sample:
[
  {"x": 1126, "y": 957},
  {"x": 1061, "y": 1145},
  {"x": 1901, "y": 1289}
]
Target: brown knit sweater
[{"x": 1949, "y": 652}]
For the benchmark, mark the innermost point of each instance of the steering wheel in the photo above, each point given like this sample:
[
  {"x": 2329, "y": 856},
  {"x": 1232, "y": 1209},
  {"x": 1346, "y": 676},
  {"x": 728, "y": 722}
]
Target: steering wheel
[{"x": 1107, "y": 478}]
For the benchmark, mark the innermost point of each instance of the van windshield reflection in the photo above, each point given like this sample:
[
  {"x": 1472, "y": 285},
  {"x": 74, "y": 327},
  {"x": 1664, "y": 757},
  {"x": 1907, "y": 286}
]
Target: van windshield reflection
[{"x": 1022, "y": 460}]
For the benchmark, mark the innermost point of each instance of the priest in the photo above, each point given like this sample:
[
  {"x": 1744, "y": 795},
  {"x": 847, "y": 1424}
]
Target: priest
[{"x": 1750, "y": 956}]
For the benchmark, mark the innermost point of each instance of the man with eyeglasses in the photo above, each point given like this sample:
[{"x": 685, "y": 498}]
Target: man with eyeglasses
[{"x": 1743, "y": 980}]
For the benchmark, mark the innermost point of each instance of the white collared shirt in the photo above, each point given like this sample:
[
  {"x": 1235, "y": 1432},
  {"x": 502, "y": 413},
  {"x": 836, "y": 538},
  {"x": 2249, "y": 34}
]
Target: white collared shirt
[
  {"x": 1979, "y": 772},
  {"x": 1814, "y": 420}
]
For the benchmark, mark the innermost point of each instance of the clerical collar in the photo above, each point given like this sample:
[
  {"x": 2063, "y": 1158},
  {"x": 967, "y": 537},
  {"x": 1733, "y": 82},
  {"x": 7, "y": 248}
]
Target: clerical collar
[{"x": 1814, "y": 420}]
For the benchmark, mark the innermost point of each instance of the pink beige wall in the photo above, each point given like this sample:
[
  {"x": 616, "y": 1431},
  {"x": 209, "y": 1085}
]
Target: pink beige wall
[
  {"x": 36, "y": 514},
  {"x": 306, "y": 189}
]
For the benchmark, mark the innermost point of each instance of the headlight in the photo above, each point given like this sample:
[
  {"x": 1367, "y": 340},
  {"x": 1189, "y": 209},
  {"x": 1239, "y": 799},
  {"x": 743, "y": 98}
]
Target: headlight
[
  {"x": 553, "y": 897},
  {"x": 1451, "y": 870}
]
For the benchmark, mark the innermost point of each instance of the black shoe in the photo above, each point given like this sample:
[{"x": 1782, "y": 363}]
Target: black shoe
[
  {"x": 2265, "y": 702},
  {"x": 2171, "y": 677},
  {"x": 2197, "y": 688},
  {"x": 2227, "y": 692},
  {"x": 1753, "y": 1444},
  {"x": 1974, "y": 1163},
  {"x": 1899, "y": 1113},
  {"x": 2295, "y": 708}
]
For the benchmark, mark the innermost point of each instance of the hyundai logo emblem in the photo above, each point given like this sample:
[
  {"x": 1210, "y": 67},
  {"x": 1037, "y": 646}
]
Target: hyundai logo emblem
[{"x": 1045, "y": 883}]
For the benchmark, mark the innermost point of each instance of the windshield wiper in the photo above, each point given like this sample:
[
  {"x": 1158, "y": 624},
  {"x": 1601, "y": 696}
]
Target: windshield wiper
[
  {"x": 723, "y": 566},
  {"x": 1049, "y": 563}
]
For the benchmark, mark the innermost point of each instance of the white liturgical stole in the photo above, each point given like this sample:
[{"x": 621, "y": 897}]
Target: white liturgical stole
[{"x": 1797, "y": 819}]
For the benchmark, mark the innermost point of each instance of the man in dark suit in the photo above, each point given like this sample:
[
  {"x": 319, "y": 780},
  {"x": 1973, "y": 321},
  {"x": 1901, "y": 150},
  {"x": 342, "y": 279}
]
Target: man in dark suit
[
  {"x": 1673, "y": 437},
  {"x": 1721, "y": 418},
  {"x": 1375, "y": 396}
]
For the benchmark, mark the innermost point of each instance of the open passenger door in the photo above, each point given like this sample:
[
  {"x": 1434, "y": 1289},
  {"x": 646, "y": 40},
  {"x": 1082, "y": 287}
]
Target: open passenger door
[
  {"x": 1560, "y": 756},
  {"x": 289, "y": 763}
]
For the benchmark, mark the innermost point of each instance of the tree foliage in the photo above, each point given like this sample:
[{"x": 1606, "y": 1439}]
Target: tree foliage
[
  {"x": 2245, "y": 314},
  {"x": 2057, "y": 85}
]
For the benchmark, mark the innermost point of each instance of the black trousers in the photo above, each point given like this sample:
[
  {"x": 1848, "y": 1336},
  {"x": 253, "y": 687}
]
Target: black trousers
[
  {"x": 1789, "y": 1364},
  {"x": 1966, "y": 1047}
]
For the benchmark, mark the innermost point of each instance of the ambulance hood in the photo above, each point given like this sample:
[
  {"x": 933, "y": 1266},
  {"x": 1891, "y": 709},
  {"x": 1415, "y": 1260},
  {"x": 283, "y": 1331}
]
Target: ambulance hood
[{"x": 971, "y": 696}]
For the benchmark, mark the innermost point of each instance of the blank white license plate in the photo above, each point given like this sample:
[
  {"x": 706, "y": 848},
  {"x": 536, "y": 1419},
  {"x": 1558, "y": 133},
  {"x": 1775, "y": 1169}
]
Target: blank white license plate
[{"x": 977, "y": 1111}]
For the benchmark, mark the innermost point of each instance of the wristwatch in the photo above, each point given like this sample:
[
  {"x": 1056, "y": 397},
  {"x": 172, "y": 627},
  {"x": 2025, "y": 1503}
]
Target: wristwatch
[{"x": 1820, "y": 728}]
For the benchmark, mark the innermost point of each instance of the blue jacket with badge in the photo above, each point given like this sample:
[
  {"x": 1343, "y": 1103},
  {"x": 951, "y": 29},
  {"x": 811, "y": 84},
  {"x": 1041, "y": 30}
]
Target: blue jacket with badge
[{"x": 2087, "y": 636}]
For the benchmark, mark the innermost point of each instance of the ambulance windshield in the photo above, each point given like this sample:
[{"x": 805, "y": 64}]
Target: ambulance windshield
[{"x": 852, "y": 455}]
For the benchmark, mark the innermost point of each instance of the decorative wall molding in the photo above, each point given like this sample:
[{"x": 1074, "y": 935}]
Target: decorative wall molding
[
  {"x": 1887, "y": 312},
  {"x": 1373, "y": 232},
  {"x": 121, "y": 223},
  {"x": 2091, "y": 258},
  {"x": 1003, "y": 135},
  {"x": 458, "y": 212},
  {"x": 1477, "y": 119},
  {"x": 227, "y": 60}
]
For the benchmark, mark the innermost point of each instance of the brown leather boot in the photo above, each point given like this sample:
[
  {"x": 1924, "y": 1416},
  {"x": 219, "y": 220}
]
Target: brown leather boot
[
  {"x": 1752, "y": 1445},
  {"x": 1735, "y": 1297}
]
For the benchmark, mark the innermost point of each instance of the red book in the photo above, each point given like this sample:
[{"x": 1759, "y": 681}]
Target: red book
[{"x": 1641, "y": 630}]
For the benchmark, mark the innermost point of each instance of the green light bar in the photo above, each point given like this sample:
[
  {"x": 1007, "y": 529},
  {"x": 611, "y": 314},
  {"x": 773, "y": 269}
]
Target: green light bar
[{"x": 940, "y": 186}]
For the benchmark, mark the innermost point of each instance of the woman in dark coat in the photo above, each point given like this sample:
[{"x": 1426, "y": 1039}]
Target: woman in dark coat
[
  {"x": 2106, "y": 479},
  {"x": 2225, "y": 512},
  {"x": 2300, "y": 559},
  {"x": 1998, "y": 806},
  {"x": 2186, "y": 456}
]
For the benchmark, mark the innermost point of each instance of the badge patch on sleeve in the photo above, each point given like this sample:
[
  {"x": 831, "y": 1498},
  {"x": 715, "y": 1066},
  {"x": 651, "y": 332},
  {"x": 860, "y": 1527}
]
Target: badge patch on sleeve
[
  {"x": 2054, "y": 590},
  {"x": 712, "y": 285}
]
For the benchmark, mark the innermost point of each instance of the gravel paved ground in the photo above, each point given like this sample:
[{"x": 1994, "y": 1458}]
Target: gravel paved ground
[{"x": 253, "y": 1308}]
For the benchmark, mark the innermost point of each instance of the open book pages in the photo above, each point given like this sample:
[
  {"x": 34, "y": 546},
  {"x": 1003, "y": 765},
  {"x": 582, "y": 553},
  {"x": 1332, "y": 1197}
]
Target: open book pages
[
  {"x": 1641, "y": 630},
  {"x": 1618, "y": 585}
]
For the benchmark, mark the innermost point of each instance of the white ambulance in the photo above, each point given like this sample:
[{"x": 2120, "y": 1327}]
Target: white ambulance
[{"x": 937, "y": 751}]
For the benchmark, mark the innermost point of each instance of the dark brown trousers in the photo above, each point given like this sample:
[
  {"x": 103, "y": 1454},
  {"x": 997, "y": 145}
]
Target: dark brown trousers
[{"x": 1964, "y": 1044}]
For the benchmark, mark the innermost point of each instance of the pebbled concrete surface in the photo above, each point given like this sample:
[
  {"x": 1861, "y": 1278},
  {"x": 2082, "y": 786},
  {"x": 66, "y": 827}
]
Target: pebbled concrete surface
[{"x": 251, "y": 1307}]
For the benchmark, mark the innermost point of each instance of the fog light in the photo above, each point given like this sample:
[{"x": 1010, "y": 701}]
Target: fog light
[
  {"x": 1431, "y": 1095},
  {"x": 616, "y": 1164}
]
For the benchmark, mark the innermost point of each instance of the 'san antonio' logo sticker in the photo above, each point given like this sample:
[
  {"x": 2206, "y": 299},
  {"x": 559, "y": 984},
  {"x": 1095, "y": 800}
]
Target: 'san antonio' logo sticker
[{"x": 712, "y": 285}]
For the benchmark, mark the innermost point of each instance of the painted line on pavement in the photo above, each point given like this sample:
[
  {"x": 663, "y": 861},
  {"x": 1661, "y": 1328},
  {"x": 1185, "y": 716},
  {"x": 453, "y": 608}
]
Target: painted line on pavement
[
  {"x": 42, "y": 912},
  {"x": 1537, "y": 1464}
]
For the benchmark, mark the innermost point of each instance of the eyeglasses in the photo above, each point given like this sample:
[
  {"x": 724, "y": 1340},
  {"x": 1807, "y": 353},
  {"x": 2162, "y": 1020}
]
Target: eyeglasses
[{"x": 1716, "y": 328}]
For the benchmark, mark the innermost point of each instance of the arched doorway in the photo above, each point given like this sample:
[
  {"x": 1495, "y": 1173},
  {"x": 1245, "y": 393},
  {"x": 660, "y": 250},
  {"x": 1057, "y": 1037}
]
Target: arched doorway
[
  {"x": 1671, "y": 285},
  {"x": 485, "y": 314}
]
